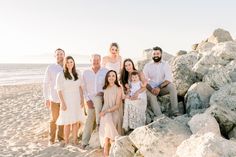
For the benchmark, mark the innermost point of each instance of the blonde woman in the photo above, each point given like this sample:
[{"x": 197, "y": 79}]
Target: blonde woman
[{"x": 113, "y": 61}]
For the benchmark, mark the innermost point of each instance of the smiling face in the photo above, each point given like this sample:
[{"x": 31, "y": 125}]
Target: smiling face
[
  {"x": 129, "y": 66},
  {"x": 70, "y": 64},
  {"x": 96, "y": 61},
  {"x": 111, "y": 77},
  {"x": 59, "y": 55},
  {"x": 114, "y": 50}
]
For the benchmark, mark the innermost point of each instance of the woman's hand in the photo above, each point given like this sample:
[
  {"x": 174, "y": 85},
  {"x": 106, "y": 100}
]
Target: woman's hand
[
  {"x": 135, "y": 96},
  {"x": 63, "y": 107},
  {"x": 82, "y": 104},
  {"x": 102, "y": 113}
]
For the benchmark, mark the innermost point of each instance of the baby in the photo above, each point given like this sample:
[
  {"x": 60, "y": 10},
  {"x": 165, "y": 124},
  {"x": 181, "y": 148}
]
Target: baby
[{"x": 135, "y": 86}]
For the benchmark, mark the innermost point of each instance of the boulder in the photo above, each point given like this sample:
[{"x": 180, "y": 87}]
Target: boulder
[
  {"x": 183, "y": 76},
  {"x": 160, "y": 138},
  {"x": 225, "y": 97},
  {"x": 224, "y": 116},
  {"x": 206, "y": 145},
  {"x": 198, "y": 96},
  {"x": 204, "y": 47},
  {"x": 122, "y": 147},
  {"x": 181, "y": 52},
  {"x": 220, "y": 35},
  {"x": 204, "y": 123},
  {"x": 226, "y": 50},
  {"x": 217, "y": 77}
]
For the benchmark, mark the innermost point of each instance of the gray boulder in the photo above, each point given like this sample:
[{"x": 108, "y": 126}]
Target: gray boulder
[
  {"x": 220, "y": 35},
  {"x": 203, "y": 123},
  {"x": 122, "y": 147},
  {"x": 198, "y": 96},
  {"x": 160, "y": 138},
  {"x": 206, "y": 145}
]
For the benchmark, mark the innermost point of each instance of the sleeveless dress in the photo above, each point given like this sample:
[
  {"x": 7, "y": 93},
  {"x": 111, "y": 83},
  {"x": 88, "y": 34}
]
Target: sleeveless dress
[
  {"x": 71, "y": 94},
  {"x": 113, "y": 66},
  {"x": 110, "y": 123}
]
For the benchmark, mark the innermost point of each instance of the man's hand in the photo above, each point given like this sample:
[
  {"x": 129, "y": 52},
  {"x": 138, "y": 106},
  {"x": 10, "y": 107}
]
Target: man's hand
[
  {"x": 47, "y": 104},
  {"x": 100, "y": 94},
  {"x": 90, "y": 104},
  {"x": 156, "y": 91}
]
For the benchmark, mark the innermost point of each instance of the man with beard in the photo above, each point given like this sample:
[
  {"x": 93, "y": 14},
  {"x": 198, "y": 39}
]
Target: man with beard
[{"x": 159, "y": 77}]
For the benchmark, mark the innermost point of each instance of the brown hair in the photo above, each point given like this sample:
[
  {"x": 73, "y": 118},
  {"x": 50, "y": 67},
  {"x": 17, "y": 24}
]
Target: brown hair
[
  {"x": 134, "y": 73},
  {"x": 66, "y": 71},
  {"x": 106, "y": 79},
  {"x": 124, "y": 75},
  {"x": 59, "y": 49}
]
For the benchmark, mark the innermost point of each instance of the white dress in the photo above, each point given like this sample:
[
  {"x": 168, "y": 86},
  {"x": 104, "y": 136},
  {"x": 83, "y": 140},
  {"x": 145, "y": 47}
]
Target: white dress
[
  {"x": 113, "y": 66},
  {"x": 135, "y": 110},
  {"x": 71, "y": 94}
]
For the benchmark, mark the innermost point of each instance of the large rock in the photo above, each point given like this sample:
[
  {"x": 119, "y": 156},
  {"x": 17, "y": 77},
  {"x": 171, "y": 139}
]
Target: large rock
[
  {"x": 220, "y": 35},
  {"x": 204, "y": 47},
  {"x": 225, "y": 97},
  {"x": 160, "y": 138},
  {"x": 183, "y": 76},
  {"x": 205, "y": 63},
  {"x": 207, "y": 145},
  {"x": 217, "y": 77},
  {"x": 122, "y": 147},
  {"x": 231, "y": 68},
  {"x": 203, "y": 123},
  {"x": 198, "y": 96},
  {"x": 232, "y": 134},
  {"x": 226, "y": 50},
  {"x": 224, "y": 116}
]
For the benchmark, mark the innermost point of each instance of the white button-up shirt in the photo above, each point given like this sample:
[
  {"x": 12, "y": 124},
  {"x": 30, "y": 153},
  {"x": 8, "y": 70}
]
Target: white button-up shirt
[
  {"x": 49, "y": 82},
  {"x": 93, "y": 82},
  {"x": 157, "y": 73}
]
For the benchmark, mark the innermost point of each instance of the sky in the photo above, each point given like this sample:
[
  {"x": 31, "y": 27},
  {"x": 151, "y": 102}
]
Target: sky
[{"x": 31, "y": 30}]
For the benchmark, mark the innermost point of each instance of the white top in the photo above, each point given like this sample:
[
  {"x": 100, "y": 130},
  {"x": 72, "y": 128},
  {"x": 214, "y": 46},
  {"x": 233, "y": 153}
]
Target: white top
[
  {"x": 49, "y": 82},
  {"x": 157, "y": 73},
  {"x": 113, "y": 66},
  {"x": 134, "y": 87},
  {"x": 93, "y": 82}
]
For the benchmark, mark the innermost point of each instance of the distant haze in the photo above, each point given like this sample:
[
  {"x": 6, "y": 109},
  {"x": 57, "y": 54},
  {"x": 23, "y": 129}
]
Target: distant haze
[{"x": 31, "y": 30}]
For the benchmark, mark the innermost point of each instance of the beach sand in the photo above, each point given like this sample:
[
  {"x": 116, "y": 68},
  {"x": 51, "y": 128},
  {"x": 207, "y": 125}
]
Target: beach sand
[{"x": 24, "y": 125}]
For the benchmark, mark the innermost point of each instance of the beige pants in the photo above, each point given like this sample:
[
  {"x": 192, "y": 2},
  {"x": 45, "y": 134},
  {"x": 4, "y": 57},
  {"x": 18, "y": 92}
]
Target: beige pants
[
  {"x": 55, "y": 109},
  {"x": 92, "y": 115},
  {"x": 169, "y": 89}
]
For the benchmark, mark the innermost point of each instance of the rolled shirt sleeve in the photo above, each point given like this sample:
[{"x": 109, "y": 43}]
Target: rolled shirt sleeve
[{"x": 46, "y": 84}]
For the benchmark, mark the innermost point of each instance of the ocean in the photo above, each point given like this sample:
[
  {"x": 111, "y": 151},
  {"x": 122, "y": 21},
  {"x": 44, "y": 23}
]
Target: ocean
[{"x": 12, "y": 74}]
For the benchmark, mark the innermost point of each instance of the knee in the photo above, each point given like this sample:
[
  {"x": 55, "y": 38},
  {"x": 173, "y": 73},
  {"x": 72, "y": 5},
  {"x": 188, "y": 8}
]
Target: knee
[{"x": 171, "y": 87}]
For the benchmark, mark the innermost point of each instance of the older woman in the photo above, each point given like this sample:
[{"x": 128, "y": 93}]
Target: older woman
[{"x": 135, "y": 107}]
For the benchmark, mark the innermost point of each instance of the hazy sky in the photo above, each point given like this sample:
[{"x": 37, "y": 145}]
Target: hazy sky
[{"x": 31, "y": 30}]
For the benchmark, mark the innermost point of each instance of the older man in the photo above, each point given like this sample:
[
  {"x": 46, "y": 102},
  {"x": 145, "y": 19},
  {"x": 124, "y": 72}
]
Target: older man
[
  {"x": 93, "y": 82},
  {"x": 159, "y": 77}
]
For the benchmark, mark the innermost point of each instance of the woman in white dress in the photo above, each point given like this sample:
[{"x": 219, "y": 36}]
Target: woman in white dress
[
  {"x": 135, "y": 105},
  {"x": 68, "y": 85},
  {"x": 111, "y": 114},
  {"x": 113, "y": 61}
]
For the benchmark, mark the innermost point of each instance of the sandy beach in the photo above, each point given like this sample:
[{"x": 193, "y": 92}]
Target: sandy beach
[{"x": 24, "y": 125}]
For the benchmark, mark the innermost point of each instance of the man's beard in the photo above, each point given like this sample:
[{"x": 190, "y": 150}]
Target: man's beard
[{"x": 156, "y": 59}]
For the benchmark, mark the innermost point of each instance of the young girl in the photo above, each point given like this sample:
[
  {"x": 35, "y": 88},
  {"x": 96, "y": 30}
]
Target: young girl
[
  {"x": 68, "y": 85},
  {"x": 111, "y": 114}
]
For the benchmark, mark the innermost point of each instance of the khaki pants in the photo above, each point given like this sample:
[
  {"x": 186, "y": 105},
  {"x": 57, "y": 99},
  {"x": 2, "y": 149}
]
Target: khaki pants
[
  {"x": 169, "y": 89},
  {"x": 55, "y": 109},
  {"x": 92, "y": 116}
]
